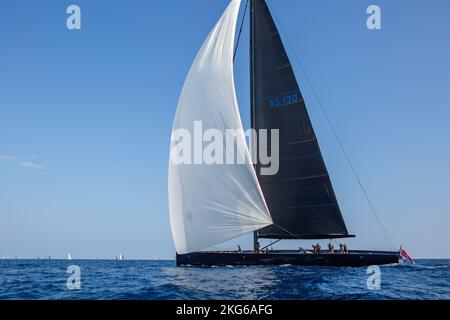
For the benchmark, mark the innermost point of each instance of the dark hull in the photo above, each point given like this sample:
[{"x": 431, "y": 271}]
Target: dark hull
[{"x": 250, "y": 258}]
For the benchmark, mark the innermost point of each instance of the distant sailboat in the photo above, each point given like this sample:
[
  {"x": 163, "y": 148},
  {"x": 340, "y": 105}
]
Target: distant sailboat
[
  {"x": 211, "y": 204},
  {"x": 119, "y": 257},
  {"x": 69, "y": 257}
]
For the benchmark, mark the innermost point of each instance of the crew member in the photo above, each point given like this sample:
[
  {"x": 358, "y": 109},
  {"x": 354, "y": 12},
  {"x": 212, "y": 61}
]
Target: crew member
[{"x": 330, "y": 248}]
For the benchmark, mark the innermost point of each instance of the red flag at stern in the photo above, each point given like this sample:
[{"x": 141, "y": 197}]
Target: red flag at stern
[{"x": 405, "y": 255}]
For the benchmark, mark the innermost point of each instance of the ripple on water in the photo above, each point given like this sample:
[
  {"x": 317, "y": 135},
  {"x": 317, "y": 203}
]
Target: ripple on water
[{"x": 162, "y": 280}]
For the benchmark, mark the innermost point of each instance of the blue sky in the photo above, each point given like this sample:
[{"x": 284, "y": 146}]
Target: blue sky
[{"x": 85, "y": 118}]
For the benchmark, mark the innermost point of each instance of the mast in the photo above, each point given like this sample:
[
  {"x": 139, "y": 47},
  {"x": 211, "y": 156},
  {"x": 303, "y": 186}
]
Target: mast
[{"x": 252, "y": 90}]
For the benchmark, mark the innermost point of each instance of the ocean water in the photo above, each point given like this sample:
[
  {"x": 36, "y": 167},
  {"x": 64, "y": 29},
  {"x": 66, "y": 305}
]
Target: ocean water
[{"x": 47, "y": 279}]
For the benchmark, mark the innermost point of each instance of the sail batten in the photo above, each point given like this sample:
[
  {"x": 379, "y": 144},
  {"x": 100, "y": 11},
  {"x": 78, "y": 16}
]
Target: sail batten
[
  {"x": 213, "y": 203},
  {"x": 300, "y": 197}
]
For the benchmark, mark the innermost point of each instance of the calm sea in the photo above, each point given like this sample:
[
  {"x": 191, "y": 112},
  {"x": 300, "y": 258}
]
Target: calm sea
[{"x": 47, "y": 279}]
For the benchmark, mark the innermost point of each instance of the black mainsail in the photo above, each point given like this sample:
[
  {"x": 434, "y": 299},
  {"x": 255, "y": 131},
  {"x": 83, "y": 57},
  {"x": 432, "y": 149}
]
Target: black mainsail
[{"x": 300, "y": 197}]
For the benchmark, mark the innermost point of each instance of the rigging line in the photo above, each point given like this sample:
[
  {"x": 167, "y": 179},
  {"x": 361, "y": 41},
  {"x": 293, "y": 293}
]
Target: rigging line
[
  {"x": 270, "y": 244},
  {"x": 285, "y": 230},
  {"x": 240, "y": 31},
  {"x": 341, "y": 145},
  {"x": 296, "y": 237}
]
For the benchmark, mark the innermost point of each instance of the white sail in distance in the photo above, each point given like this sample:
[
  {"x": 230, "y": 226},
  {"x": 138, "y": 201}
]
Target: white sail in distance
[{"x": 212, "y": 203}]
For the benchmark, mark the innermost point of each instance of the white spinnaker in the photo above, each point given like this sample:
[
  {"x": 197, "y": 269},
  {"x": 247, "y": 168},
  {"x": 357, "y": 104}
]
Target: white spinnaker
[{"x": 211, "y": 204}]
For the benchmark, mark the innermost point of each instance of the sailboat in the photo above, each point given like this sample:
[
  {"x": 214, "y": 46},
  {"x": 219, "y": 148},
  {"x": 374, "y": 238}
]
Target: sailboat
[
  {"x": 211, "y": 204},
  {"x": 69, "y": 257}
]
